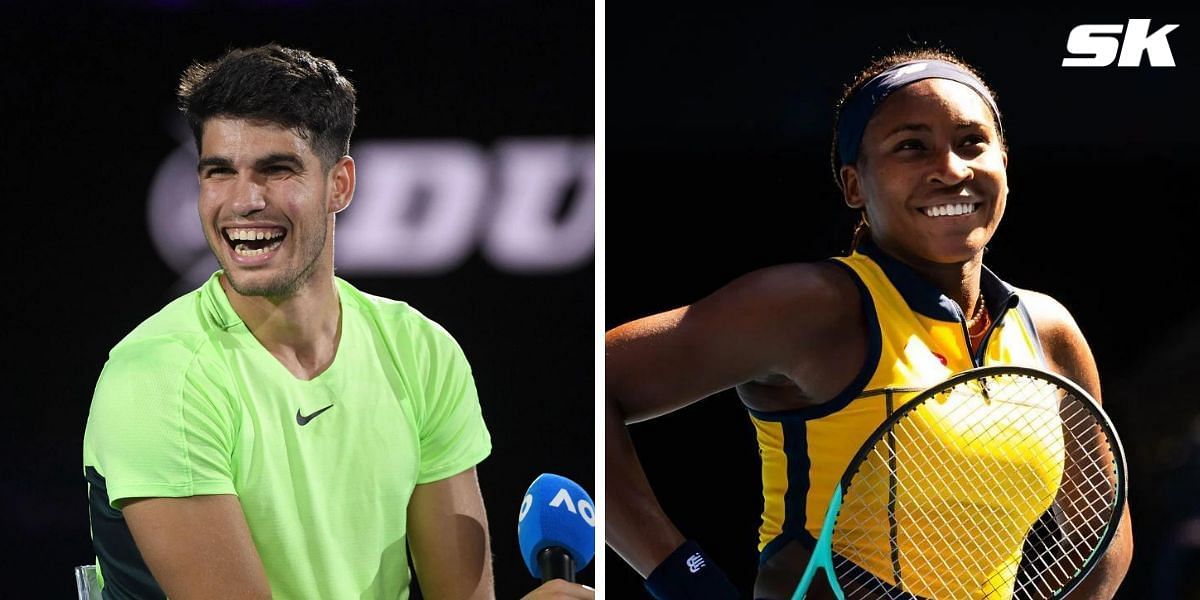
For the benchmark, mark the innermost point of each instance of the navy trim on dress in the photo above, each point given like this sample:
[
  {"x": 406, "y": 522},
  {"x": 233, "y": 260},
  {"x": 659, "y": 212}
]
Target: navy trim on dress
[
  {"x": 925, "y": 298},
  {"x": 870, "y": 363},
  {"x": 795, "y": 499},
  {"x": 1026, "y": 318},
  {"x": 922, "y": 297}
]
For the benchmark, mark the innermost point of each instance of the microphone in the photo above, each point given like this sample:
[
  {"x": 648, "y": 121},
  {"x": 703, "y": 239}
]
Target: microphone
[{"x": 556, "y": 528}]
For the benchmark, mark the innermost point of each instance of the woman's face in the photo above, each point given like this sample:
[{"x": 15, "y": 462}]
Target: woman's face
[{"x": 930, "y": 173}]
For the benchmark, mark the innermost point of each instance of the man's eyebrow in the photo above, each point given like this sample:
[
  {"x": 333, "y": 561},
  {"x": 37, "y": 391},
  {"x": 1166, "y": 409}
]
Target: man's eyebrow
[
  {"x": 213, "y": 161},
  {"x": 279, "y": 157},
  {"x": 261, "y": 163}
]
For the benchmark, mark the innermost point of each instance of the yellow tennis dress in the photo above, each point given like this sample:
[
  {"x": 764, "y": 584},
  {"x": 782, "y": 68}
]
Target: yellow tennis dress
[{"x": 916, "y": 337}]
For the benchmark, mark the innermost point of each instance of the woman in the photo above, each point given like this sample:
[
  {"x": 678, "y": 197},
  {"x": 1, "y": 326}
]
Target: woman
[{"x": 818, "y": 352}]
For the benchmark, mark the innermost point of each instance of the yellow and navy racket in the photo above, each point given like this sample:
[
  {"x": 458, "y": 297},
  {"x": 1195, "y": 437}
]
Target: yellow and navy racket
[{"x": 1001, "y": 482}]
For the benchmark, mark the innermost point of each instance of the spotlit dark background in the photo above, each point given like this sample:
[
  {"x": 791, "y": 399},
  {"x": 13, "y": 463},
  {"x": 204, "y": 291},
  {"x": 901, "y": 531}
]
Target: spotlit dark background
[
  {"x": 719, "y": 125},
  {"x": 87, "y": 93}
]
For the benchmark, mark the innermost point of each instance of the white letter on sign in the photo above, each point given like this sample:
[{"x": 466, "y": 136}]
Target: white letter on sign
[
  {"x": 416, "y": 207},
  {"x": 539, "y": 180}
]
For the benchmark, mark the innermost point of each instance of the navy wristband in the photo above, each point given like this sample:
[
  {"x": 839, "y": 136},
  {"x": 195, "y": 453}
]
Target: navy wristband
[{"x": 688, "y": 573}]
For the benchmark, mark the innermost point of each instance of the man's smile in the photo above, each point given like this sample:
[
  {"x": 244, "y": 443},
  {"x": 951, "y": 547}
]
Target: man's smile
[{"x": 248, "y": 242}]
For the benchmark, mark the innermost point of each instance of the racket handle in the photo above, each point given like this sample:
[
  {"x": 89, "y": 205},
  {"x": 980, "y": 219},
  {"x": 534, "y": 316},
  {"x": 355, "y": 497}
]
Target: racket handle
[{"x": 822, "y": 556}]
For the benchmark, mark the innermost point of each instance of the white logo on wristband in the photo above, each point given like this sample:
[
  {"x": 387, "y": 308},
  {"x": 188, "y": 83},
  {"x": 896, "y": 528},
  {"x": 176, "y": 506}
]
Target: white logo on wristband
[{"x": 695, "y": 562}]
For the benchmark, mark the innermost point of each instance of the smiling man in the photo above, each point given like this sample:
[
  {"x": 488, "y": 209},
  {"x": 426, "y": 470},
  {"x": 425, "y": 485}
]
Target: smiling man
[{"x": 277, "y": 432}]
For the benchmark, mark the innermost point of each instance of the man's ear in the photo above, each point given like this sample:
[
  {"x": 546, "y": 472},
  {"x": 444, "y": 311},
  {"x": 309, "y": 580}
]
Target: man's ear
[{"x": 342, "y": 178}]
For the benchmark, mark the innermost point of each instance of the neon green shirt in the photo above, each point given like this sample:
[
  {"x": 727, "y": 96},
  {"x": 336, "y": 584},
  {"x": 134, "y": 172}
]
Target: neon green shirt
[{"x": 190, "y": 403}]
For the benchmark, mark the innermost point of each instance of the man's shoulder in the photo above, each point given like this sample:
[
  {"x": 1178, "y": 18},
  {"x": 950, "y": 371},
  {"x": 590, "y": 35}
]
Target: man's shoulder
[
  {"x": 170, "y": 337},
  {"x": 395, "y": 317}
]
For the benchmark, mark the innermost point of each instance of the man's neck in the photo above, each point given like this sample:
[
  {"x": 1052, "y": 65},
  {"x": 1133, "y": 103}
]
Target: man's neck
[{"x": 301, "y": 330}]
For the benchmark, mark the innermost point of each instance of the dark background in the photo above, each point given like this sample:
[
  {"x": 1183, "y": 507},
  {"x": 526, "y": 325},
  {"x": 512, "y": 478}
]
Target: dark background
[
  {"x": 88, "y": 116},
  {"x": 717, "y": 162}
]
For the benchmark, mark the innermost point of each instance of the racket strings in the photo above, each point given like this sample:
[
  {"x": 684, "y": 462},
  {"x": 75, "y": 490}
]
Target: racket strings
[
  {"x": 995, "y": 488},
  {"x": 1084, "y": 507}
]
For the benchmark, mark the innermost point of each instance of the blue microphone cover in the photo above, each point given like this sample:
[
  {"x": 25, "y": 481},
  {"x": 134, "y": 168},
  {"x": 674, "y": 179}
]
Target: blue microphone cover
[{"x": 556, "y": 512}]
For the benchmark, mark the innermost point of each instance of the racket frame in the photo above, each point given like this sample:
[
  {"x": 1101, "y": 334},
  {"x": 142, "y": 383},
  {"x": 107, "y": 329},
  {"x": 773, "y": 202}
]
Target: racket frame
[{"x": 822, "y": 555}]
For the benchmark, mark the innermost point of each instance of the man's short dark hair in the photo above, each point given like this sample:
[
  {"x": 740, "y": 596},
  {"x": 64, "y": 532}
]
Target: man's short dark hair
[{"x": 285, "y": 86}]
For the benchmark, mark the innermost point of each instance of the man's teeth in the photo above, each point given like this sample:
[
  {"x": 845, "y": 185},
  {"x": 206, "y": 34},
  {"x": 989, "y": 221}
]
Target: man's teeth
[
  {"x": 253, "y": 234},
  {"x": 950, "y": 210},
  {"x": 244, "y": 250}
]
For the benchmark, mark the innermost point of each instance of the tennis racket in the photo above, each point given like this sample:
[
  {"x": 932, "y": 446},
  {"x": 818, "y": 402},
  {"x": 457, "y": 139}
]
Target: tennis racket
[{"x": 1001, "y": 482}]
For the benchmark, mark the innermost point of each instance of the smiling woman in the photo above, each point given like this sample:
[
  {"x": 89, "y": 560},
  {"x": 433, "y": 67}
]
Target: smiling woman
[
  {"x": 821, "y": 353},
  {"x": 936, "y": 151}
]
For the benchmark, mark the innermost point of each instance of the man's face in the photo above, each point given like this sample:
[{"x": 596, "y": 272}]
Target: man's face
[
  {"x": 265, "y": 206},
  {"x": 932, "y": 173}
]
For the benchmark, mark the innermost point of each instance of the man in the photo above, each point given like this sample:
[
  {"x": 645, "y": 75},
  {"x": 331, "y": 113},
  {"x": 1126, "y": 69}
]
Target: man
[{"x": 278, "y": 433}]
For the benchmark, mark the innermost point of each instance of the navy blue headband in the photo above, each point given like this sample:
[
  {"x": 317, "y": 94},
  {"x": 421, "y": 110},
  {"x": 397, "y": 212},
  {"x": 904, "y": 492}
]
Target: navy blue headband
[{"x": 859, "y": 108}]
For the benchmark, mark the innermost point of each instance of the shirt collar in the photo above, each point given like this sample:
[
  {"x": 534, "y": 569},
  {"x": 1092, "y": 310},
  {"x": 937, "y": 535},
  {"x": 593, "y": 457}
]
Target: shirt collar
[{"x": 926, "y": 299}]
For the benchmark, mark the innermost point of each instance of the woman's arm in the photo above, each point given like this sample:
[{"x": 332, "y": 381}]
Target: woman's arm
[
  {"x": 775, "y": 321},
  {"x": 1069, "y": 355}
]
